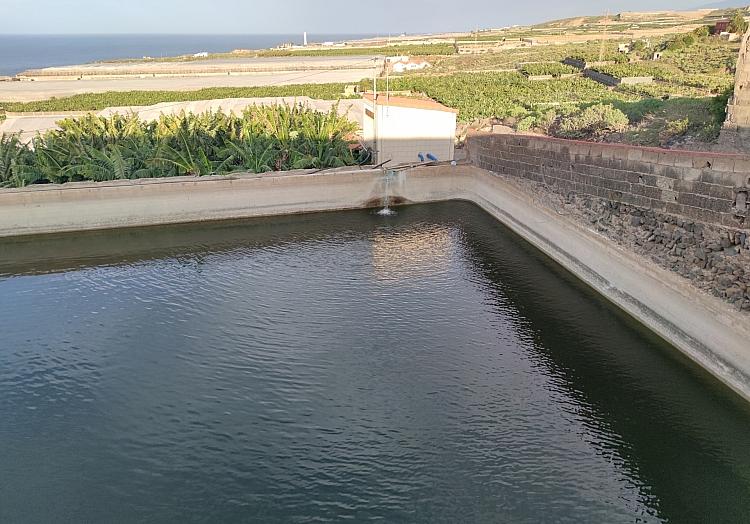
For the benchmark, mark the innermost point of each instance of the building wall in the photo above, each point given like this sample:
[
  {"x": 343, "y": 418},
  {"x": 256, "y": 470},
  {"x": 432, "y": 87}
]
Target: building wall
[{"x": 403, "y": 133}]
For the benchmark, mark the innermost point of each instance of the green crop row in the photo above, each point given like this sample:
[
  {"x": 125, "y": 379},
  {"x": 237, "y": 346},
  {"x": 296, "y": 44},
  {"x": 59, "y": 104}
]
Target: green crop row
[
  {"x": 98, "y": 101},
  {"x": 634, "y": 69},
  {"x": 416, "y": 49},
  {"x": 124, "y": 147},
  {"x": 548, "y": 69},
  {"x": 486, "y": 95}
]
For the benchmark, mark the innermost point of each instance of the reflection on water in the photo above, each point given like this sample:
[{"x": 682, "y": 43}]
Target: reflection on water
[
  {"x": 427, "y": 367},
  {"x": 419, "y": 253}
]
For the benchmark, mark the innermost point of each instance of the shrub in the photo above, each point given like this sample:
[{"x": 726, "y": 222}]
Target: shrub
[
  {"x": 546, "y": 120},
  {"x": 592, "y": 122},
  {"x": 674, "y": 129},
  {"x": 738, "y": 23},
  {"x": 525, "y": 124},
  {"x": 680, "y": 42},
  {"x": 702, "y": 32}
]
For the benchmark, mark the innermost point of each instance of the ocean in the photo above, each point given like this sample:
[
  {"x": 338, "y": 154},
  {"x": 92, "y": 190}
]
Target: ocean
[{"x": 21, "y": 52}]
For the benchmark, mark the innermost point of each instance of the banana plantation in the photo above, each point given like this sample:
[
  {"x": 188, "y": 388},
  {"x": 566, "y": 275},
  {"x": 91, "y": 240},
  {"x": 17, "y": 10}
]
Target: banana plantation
[{"x": 261, "y": 139}]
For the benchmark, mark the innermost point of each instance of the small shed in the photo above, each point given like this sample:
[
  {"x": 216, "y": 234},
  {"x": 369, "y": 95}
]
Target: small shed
[
  {"x": 722, "y": 26},
  {"x": 399, "y": 129}
]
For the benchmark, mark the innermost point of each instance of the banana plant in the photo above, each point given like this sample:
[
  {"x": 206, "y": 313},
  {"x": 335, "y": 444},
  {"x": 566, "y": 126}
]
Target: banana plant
[
  {"x": 122, "y": 146},
  {"x": 256, "y": 156},
  {"x": 186, "y": 160}
]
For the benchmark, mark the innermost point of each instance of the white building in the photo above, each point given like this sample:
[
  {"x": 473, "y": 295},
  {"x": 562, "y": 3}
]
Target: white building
[
  {"x": 399, "y": 129},
  {"x": 401, "y": 64},
  {"x": 402, "y": 67}
]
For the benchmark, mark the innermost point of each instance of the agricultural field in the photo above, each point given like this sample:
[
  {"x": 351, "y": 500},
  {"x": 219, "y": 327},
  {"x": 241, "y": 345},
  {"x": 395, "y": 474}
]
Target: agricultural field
[
  {"x": 554, "y": 69},
  {"x": 480, "y": 96},
  {"x": 436, "y": 49},
  {"x": 262, "y": 139},
  {"x": 710, "y": 56},
  {"x": 445, "y": 49},
  {"x": 99, "y": 101},
  {"x": 685, "y": 103},
  {"x": 665, "y": 117},
  {"x": 514, "y": 58},
  {"x": 631, "y": 70}
]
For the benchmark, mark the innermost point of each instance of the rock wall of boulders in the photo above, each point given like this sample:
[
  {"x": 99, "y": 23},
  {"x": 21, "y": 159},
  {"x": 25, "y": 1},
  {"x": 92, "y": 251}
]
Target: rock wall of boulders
[
  {"x": 715, "y": 259},
  {"x": 714, "y": 255}
]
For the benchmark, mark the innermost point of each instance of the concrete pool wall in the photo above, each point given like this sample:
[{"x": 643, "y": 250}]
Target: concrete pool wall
[{"x": 704, "y": 328}]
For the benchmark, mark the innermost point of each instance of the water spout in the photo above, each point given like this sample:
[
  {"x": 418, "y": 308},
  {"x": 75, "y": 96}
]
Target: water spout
[{"x": 387, "y": 211}]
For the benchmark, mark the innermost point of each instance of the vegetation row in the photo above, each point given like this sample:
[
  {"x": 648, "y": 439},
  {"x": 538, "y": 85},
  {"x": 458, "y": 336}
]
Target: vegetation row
[
  {"x": 417, "y": 49},
  {"x": 262, "y": 139}
]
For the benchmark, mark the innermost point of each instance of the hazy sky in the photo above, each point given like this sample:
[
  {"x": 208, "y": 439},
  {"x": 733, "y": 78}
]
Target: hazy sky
[{"x": 294, "y": 16}]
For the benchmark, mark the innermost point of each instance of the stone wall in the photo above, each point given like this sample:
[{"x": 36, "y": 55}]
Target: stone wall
[
  {"x": 708, "y": 187},
  {"x": 735, "y": 134},
  {"x": 687, "y": 211},
  {"x": 738, "y": 109},
  {"x": 609, "y": 80}
]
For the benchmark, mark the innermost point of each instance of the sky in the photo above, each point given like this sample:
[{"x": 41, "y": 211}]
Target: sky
[{"x": 295, "y": 16}]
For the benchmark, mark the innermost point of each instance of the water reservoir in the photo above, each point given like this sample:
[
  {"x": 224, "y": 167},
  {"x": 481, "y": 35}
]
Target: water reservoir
[{"x": 426, "y": 366}]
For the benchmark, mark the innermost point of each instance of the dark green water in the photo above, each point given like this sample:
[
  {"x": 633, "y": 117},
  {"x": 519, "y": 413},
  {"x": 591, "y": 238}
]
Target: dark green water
[{"x": 426, "y": 367}]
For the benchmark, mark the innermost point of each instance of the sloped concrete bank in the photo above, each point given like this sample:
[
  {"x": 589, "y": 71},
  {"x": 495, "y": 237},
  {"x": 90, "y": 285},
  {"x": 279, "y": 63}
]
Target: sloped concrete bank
[
  {"x": 685, "y": 211},
  {"x": 704, "y": 328}
]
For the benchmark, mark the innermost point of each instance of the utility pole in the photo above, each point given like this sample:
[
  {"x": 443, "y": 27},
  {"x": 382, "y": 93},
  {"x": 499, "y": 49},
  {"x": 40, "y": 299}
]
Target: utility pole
[
  {"x": 601, "y": 46},
  {"x": 376, "y": 149}
]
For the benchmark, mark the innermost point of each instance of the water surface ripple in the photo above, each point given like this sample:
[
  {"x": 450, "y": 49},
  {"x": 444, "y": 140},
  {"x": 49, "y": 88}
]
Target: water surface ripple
[{"x": 422, "y": 367}]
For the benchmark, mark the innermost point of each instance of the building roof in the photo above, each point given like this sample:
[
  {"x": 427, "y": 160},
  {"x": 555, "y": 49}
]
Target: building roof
[{"x": 411, "y": 103}]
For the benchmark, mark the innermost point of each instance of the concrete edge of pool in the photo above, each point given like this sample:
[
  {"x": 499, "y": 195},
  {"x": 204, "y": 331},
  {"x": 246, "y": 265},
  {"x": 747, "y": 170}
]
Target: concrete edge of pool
[{"x": 704, "y": 328}]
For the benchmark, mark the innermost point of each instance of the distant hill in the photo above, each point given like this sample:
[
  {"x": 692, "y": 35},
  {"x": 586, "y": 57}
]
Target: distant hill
[
  {"x": 725, "y": 4},
  {"x": 628, "y": 20}
]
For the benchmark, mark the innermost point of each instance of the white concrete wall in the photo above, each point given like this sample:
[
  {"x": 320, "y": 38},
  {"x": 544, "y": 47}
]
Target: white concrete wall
[
  {"x": 126, "y": 203},
  {"x": 404, "y": 132},
  {"x": 703, "y": 327}
]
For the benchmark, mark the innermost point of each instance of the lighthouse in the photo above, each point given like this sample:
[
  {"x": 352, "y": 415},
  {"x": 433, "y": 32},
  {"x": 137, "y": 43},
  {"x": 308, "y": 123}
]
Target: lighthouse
[{"x": 304, "y": 39}]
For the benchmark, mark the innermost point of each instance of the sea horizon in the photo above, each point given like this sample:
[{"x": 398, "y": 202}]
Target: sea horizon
[{"x": 20, "y": 52}]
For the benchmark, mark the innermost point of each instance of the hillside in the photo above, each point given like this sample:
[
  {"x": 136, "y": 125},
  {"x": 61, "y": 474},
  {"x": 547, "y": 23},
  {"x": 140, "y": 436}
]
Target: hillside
[{"x": 651, "y": 18}]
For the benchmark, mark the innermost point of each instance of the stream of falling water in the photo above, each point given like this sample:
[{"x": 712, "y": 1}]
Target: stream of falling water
[{"x": 387, "y": 211}]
